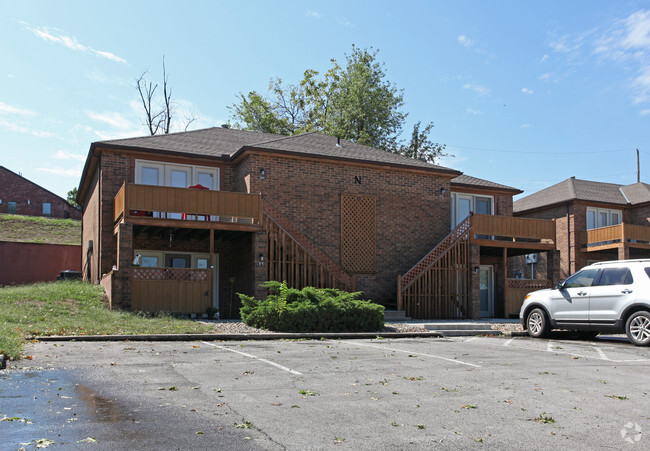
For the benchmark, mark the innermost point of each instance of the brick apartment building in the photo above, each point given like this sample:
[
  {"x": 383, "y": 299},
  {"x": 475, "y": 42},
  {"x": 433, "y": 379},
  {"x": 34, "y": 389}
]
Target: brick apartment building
[
  {"x": 595, "y": 221},
  {"x": 20, "y": 196},
  {"x": 182, "y": 222}
]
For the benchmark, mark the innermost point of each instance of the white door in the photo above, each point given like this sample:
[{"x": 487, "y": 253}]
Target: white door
[
  {"x": 571, "y": 303},
  {"x": 178, "y": 177},
  {"x": 486, "y": 277},
  {"x": 463, "y": 208},
  {"x": 614, "y": 289}
]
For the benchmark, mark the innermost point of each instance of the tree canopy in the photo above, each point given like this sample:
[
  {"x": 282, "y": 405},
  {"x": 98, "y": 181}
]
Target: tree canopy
[{"x": 355, "y": 102}]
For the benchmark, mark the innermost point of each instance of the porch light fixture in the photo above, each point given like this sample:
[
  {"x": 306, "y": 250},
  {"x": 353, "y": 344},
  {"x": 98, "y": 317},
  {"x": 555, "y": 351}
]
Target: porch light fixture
[
  {"x": 443, "y": 191},
  {"x": 476, "y": 268},
  {"x": 262, "y": 172},
  {"x": 261, "y": 257}
]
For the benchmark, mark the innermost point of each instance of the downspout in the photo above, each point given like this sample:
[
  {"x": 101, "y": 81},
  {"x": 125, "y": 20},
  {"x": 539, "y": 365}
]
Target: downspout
[{"x": 568, "y": 232}]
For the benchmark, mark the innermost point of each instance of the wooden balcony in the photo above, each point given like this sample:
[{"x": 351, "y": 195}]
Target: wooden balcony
[
  {"x": 621, "y": 235},
  {"x": 511, "y": 232},
  {"x": 188, "y": 208}
]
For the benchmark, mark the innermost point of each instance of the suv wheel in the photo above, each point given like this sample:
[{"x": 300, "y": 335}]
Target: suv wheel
[
  {"x": 538, "y": 324},
  {"x": 637, "y": 328}
]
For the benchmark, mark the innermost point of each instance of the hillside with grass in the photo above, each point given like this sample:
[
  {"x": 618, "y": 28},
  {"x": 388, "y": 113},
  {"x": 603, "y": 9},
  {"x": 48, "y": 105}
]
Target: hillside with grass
[
  {"x": 35, "y": 229},
  {"x": 74, "y": 308}
]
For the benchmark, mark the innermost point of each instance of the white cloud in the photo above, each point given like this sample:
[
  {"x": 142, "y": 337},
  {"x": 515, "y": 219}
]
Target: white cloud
[
  {"x": 71, "y": 172},
  {"x": 465, "y": 41},
  {"x": 628, "y": 40},
  {"x": 473, "y": 112},
  {"x": 527, "y": 91},
  {"x": 10, "y": 109},
  {"x": 56, "y": 36},
  {"x": 545, "y": 76},
  {"x": 11, "y": 126},
  {"x": 314, "y": 14},
  {"x": 63, "y": 155},
  {"x": 543, "y": 58},
  {"x": 644, "y": 112},
  {"x": 524, "y": 126},
  {"x": 478, "y": 89},
  {"x": 115, "y": 120},
  {"x": 345, "y": 22}
]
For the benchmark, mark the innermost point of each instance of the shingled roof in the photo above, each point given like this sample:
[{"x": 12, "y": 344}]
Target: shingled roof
[
  {"x": 219, "y": 141},
  {"x": 473, "y": 182},
  {"x": 575, "y": 189}
]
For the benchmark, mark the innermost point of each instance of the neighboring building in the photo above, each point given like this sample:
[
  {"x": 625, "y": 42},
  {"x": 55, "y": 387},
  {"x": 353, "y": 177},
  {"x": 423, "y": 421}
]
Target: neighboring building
[
  {"x": 308, "y": 209},
  {"x": 20, "y": 196},
  {"x": 595, "y": 221}
]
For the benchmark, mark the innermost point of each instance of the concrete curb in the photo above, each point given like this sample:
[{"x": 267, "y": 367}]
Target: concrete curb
[
  {"x": 519, "y": 333},
  {"x": 239, "y": 337}
]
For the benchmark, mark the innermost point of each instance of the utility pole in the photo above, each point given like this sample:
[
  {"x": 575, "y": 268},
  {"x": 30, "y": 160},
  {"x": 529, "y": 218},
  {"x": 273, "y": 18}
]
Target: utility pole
[{"x": 638, "y": 171}]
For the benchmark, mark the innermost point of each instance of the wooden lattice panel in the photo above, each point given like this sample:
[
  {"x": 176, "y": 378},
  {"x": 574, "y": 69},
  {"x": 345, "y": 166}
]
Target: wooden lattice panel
[
  {"x": 170, "y": 274},
  {"x": 358, "y": 233}
]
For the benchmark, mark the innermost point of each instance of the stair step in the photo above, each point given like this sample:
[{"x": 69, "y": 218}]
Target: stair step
[{"x": 395, "y": 315}]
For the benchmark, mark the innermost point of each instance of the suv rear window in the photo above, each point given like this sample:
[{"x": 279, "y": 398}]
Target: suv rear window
[{"x": 616, "y": 276}]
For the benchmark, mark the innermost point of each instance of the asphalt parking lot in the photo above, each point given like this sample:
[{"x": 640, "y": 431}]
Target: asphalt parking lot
[{"x": 450, "y": 393}]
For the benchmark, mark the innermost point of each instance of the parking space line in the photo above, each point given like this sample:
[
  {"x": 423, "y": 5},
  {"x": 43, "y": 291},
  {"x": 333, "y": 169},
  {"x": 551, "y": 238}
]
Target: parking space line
[
  {"x": 601, "y": 353},
  {"x": 277, "y": 365},
  {"x": 507, "y": 342},
  {"x": 460, "y": 362}
]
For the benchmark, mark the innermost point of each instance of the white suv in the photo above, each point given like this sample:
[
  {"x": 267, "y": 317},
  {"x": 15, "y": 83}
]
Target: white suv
[{"x": 609, "y": 296}]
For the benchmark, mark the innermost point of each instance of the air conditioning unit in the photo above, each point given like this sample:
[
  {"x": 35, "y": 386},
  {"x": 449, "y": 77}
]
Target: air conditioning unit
[{"x": 531, "y": 258}]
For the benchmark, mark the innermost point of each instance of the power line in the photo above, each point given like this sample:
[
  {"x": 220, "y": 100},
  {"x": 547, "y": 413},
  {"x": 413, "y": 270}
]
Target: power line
[{"x": 542, "y": 152}]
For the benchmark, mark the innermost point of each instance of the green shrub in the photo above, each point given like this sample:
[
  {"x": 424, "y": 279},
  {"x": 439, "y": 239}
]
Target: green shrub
[{"x": 311, "y": 310}]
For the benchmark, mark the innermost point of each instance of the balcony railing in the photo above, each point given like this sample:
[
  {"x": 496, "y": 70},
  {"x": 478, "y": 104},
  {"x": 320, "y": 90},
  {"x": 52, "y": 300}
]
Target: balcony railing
[
  {"x": 614, "y": 236},
  {"x": 143, "y": 202},
  {"x": 519, "y": 231}
]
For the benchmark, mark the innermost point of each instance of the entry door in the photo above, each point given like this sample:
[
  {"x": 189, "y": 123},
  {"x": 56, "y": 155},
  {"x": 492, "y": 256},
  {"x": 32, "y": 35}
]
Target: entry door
[
  {"x": 178, "y": 177},
  {"x": 486, "y": 277},
  {"x": 463, "y": 208}
]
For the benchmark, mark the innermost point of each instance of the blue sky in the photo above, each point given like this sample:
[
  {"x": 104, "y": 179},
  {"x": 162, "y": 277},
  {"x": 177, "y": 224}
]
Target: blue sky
[{"x": 522, "y": 93}]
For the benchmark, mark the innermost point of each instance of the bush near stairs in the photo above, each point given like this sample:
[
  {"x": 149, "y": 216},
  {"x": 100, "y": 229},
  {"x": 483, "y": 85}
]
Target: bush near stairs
[{"x": 311, "y": 310}]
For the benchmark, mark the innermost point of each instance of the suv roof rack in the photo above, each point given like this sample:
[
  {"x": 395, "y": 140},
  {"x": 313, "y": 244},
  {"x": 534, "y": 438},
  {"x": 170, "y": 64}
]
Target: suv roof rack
[{"x": 609, "y": 262}]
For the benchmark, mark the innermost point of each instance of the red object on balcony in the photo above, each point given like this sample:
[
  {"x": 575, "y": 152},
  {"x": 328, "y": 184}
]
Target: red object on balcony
[
  {"x": 197, "y": 186},
  {"x": 137, "y": 212}
]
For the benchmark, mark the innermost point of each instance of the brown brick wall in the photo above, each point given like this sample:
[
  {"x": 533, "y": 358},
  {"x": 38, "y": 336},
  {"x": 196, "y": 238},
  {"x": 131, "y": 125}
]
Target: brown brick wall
[
  {"x": 308, "y": 192},
  {"x": 29, "y": 197},
  {"x": 640, "y": 215},
  {"x": 90, "y": 232}
]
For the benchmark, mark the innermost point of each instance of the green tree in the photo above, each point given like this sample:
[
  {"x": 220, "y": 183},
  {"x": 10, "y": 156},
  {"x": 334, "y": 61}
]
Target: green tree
[
  {"x": 355, "y": 102},
  {"x": 420, "y": 147},
  {"x": 72, "y": 197}
]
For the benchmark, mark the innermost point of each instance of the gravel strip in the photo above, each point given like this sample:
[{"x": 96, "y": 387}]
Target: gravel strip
[{"x": 238, "y": 327}]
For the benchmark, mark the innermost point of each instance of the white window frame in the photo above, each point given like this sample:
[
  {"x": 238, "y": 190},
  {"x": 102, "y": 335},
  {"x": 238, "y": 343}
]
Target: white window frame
[
  {"x": 597, "y": 212},
  {"x": 162, "y": 255},
  {"x": 472, "y": 197},
  {"x": 164, "y": 171}
]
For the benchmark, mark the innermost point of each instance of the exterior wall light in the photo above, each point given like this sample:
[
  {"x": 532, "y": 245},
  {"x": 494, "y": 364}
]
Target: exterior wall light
[
  {"x": 262, "y": 172},
  {"x": 443, "y": 191}
]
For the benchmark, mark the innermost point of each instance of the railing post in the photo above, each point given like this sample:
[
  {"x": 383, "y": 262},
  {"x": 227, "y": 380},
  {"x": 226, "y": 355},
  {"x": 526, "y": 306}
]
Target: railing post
[{"x": 125, "y": 208}]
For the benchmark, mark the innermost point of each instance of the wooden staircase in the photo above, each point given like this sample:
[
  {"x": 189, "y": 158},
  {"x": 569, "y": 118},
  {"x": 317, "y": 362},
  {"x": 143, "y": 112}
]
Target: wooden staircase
[
  {"x": 438, "y": 285},
  {"x": 294, "y": 258}
]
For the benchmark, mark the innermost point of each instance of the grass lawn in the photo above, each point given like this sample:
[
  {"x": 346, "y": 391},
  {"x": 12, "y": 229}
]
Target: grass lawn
[
  {"x": 34, "y": 229},
  {"x": 73, "y": 308}
]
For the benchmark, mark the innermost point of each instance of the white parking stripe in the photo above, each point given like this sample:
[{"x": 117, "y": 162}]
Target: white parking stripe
[
  {"x": 507, "y": 342},
  {"x": 277, "y": 365},
  {"x": 460, "y": 362},
  {"x": 471, "y": 339},
  {"x": 601, "y": 353}
]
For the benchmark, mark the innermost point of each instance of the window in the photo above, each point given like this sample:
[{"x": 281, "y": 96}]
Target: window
[
  {"x": 47, "y": 209},
  {"x": 602, "y": 217},
  {"x": 177, "y": 175},
  {"x": 647, "y": 271},
  {"x": 157, "y": 259},
  {"x": 11, "y": 208},
  {"x": 463, "y": 204},
  {"x": 616, "y": 276},
  {"x": 581, "y": 279}
]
